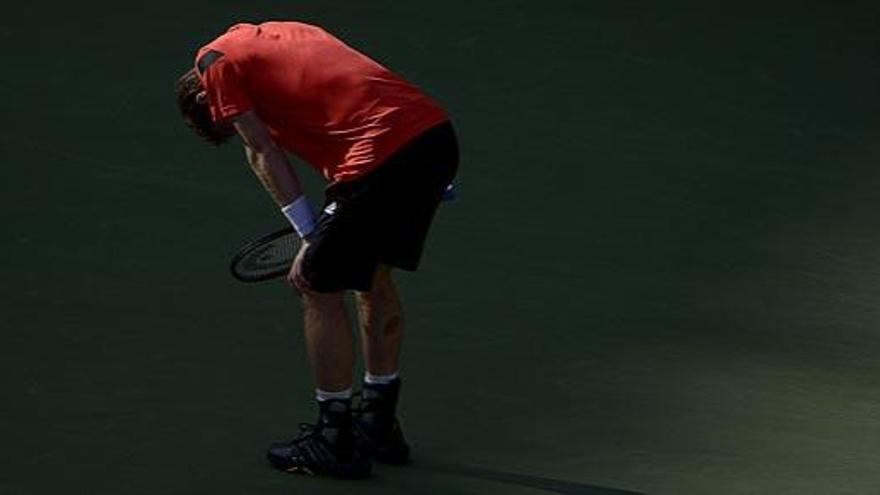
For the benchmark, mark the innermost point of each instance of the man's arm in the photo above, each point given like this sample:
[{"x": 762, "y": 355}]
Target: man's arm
[
  {"x": 270, "y": 163},
  {"x": 267, "y": 160}
]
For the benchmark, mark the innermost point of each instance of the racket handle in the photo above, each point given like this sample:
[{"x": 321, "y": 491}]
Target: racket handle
[{"x": 449, "y": 192}]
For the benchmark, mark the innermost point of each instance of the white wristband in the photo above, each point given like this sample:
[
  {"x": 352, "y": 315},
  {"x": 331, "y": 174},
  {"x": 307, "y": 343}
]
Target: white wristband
[{"x": 300, "y": 215}]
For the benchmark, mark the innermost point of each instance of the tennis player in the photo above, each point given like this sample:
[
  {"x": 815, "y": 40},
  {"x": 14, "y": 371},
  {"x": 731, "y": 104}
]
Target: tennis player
[{"x": 388, "y": 152}]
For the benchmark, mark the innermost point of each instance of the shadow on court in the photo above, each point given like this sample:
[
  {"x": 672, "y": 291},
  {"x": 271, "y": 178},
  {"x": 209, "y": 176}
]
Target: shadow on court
[{"x": 525, "y": 481}]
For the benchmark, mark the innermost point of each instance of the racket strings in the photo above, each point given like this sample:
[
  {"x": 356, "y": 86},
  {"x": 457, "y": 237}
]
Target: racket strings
[{"x": 266, "y": 258}]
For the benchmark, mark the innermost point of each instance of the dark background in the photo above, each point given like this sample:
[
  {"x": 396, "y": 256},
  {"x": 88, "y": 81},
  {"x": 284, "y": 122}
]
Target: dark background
[{"x": 662, "y": 273}]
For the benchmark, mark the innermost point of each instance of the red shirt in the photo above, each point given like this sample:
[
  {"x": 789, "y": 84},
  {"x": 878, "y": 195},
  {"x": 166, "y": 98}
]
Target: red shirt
[{"x": 337, "y": 109}]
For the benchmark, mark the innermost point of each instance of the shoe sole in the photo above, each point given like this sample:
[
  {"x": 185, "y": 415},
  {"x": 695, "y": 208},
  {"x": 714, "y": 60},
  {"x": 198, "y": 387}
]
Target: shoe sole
[{"x": 350, "y": 471}]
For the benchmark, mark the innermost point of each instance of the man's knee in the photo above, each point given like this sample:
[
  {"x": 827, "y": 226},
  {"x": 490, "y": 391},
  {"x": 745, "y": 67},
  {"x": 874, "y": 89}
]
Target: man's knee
[
  {"x": 381, "y": 285},
  {"x": 311, "y": 296},
  {"x": 311, "y": 284},
  {"x": 299, "y": 283},
  {"x": 381, "y": 294},
  {"x": 322, "y": 301}
]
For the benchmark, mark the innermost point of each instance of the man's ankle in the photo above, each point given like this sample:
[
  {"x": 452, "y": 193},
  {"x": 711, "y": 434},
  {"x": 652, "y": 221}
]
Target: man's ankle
[
  {"x": 379, "y": 403},
  {"x": 335, "y": 424},
  {"x": 381, "y": 378}
]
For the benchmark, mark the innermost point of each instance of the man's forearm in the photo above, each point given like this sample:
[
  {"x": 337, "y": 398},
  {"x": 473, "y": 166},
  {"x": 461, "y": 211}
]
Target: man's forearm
[{"x": 278, "y": 177}]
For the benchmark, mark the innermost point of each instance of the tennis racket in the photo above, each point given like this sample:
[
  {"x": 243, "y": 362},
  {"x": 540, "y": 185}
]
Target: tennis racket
[
  {"x": 271, "y": 255},
  {"x": 265, "y": 258}
]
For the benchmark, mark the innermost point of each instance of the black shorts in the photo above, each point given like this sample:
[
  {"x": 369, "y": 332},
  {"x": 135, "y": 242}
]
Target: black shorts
[{"x": 383, "y": 217}]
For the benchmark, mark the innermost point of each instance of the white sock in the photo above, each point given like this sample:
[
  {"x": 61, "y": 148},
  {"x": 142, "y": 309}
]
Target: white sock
[
  {"x": 380, "y": 379},
  {"x": 323, "y": 395}
]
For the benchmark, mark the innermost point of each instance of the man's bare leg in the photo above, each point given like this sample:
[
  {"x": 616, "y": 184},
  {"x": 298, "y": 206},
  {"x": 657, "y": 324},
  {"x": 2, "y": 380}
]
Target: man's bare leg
[
  {"x": 381, "y": 324},
  {"x": 329, "y": 340},
  {"x": 328, "y": 447}
]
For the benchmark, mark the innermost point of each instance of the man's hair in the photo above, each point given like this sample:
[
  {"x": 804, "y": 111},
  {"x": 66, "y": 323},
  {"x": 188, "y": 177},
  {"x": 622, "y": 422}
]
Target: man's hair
[{"x": 196, "y": 113}]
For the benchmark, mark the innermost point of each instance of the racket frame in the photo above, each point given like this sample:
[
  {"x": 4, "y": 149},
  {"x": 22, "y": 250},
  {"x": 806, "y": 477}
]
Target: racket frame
[{"x": 251, "y": 246}]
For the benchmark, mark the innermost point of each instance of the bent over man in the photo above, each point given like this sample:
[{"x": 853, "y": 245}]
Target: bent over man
[{"x": 388, "y": 151}]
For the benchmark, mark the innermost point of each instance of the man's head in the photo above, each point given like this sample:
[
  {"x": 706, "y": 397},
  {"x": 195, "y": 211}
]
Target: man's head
[{"x": 193, "y": 103}]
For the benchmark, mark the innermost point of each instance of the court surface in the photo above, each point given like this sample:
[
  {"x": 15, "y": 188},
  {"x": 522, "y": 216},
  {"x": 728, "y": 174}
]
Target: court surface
[{"x": 661, "y": 276}]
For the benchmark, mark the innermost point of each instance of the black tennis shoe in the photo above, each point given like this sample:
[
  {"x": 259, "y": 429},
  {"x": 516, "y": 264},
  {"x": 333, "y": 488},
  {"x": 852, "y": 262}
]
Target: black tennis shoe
[
  {"x": 377, "y": 432},
  {"x": 325, "y": 448}
]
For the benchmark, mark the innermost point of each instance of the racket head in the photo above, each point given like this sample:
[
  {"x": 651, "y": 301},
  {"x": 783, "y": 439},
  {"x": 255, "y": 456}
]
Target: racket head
[{"x": 267, "y": 257}]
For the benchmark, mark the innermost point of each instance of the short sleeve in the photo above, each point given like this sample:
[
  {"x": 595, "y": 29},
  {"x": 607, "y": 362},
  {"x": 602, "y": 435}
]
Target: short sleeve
[{"x": 224, "y": 84}]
